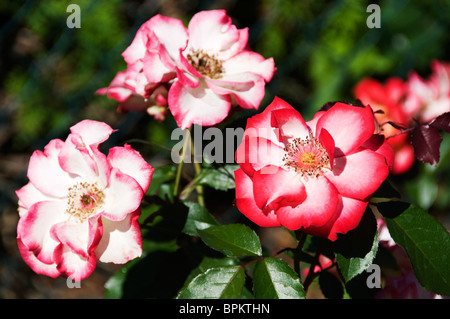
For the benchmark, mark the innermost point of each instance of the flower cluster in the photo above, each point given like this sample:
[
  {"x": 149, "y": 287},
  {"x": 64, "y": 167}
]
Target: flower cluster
[
  {"x": 397, "y": 104},
  {"x": 201, "y": 70},
  {"x": 314, "y": 176},
  {"x": 80, "y": 205}
]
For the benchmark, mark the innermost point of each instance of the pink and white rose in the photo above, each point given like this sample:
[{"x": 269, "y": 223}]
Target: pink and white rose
[
  {"x": 208, "y": 65},
  {"x": 427, "y": 99},
  {"x": 314, "y": 176},
  {"x": 80, "y": 205}
]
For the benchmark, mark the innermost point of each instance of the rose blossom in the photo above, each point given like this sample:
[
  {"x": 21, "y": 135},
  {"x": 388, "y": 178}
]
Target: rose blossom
[
  {"x": 388, "y": 99},
  {"x": 314, "y": 176},
  {"x": 81, "y": 206},
  {"x": 208, "y": 66},
  {"x": 427, "y": 99},
  {"x": 131, "y": 89}
]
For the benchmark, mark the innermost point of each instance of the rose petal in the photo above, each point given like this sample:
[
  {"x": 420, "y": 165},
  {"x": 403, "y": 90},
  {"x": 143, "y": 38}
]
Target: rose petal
[
  {"x": 349, "y": 126},
  {"x": 358, "y": 175},
  {"x": 74, "y": 265},
  {"x": 316, "y": 210},
  {"x": 281, "y": 188},
  {"x": 212, "y": 30},
  {"x": 256, "y": 153},
  {"x": 45, "y": 172},
  {"x": 250, "y": 62},
  {"x": 122, "y": 197},
  {"x": 198, "y": 105},
  {"x": 34, "y": 227},
  {"x": 37, "y": 265},
  {"x": 348, "y": 214},
  {"x": 130, "y": 162},
  {"x": 92, "y": 132},
  {"x": 245, "y": 202},
  {"x": 121, "y": 241}
]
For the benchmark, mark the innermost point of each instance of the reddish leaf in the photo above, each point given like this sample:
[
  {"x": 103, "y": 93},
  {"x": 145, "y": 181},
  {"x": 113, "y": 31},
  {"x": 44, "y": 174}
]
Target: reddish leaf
[
  {"x": 442, "y": 122},
  {"x": 426, "y": 141}
]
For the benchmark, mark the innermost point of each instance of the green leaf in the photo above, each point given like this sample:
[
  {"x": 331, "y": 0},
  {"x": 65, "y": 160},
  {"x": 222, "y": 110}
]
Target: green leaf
[
  {"x": 198, "y": 218},
  {"x": 207, "y": 263},
  {"x": 225, "y": 282},
  {"x": 427, "y": 244},
  {"x": 221, "y": 178},
  {"x": 351, "y": 267},
  {"x": 356, "y": 250},
  {"x": 274, "y": 279},
  {"x": 161, "y": 175},
  {"x": 233, "y": 240}
]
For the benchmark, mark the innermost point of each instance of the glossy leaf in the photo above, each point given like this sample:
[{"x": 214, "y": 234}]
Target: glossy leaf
[
  {"x": 351, "y": 267},
  {"x": 427, "y": 244},
  {"x": 426, "y": 141},
  {"x": 442, "y": 122},
  {"x": 221, "y": 178},
  {"x": 225, "y": 282},
  {"x": 198, "y": 218},
  {"x": 356, "y": 250},
  {"x": 232, "y": 240},
  {"x": 274, "y": 279}
]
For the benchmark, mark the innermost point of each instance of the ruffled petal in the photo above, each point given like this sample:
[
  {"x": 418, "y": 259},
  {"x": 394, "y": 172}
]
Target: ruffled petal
[
  {"x": 73, "y": 265},
  {"x": 347, "y": 216},
  {"x": 278, "y": 189},
  {"x": 262, "y": 124},
  {"x": 35, "y": 263},
  {"x": 250, "y": 62},
  {"x": 34, "y": 228},
  {"x": 350, "y": 126},
  {"x": 81, "y": 238},
  {"x": 258, "y": 153},
  {"x": 45, "y": 172},
  {"x": 291, "y": 124},
  {"x": 245, "y": 202},
  {"x": 317, "y": 209},
  {"x": 29, "y": 195},
  {"x": 358, "y": 175},
  {"x": 198, "y": 105},
  {"x": 212, "y": 31},
  {"x": 130, "y": 162},
  {"x": 92, "y": 132},
  {"x": 122, "y": 197},
  {"x": 246, "y": 88},
  {"x": 121, "y": 241}
]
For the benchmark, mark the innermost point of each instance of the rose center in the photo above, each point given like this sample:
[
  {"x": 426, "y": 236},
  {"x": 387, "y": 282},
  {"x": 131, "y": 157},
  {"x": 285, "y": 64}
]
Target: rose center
[
  {"x": 206, "y": 64},
  {"x": 83, "y": 201},
  {"x": 306, "y": 156}
]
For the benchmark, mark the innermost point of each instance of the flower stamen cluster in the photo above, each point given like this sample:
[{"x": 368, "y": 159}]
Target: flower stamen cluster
[
  {"x": 306, "y": 156},
  {"x": 83, "y": 201},
  {"x": 206, "y": 64}
]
